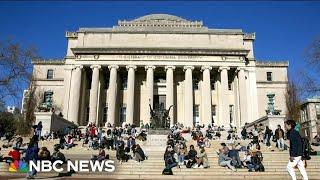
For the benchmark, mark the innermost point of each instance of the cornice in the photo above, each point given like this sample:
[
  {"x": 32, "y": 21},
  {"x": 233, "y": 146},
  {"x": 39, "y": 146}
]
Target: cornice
[
  {"x": 48, "y": 62},
  {"x": 272, "y": 63},
  {"x": 164, "y": 50}
]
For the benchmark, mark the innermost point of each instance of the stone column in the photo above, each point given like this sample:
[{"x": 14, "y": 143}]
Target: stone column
[
  {"x": 67, "y": 85},
  {"x": 206, "y": 96},
  {"x": 75, "y": 93},
  {"x": 112, "y": 94},
  {"x": 253, "y": 94},
  {"x": 188, "y": 97},
  {"x": 170, "y": 92},
  {"x": 242, "y": 96},
  {"x": 130, "y": 94},
  {"x": 224, "y": 100},
  {"x": 149, "y": 82},
  {"x": 93, "y": 103}
]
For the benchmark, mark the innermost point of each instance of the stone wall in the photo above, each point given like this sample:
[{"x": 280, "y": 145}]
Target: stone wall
[{"x": 52, "y": 122}]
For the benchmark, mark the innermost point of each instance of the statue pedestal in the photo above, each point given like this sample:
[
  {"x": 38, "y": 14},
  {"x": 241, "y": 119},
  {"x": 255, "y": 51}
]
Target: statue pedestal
[
  {"x": 156, "y": 140},
  {"x": 159, "y": 131},
  {"x": 157, "y": 137}
]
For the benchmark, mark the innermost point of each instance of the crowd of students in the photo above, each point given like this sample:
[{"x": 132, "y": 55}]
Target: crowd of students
[
  {"x": 177, "y": 154},
  {"x": 120, "y": 139}
]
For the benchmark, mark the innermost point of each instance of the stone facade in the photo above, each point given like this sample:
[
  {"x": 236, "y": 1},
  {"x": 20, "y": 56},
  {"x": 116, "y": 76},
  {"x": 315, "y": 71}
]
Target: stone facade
[
  {"x": 112, "y": 74},
  {"x": 310, "y": 117}
]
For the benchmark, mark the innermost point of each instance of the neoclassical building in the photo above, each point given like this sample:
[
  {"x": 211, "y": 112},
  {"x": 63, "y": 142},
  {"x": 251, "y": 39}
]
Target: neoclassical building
[{"x": 207, "y": 74}]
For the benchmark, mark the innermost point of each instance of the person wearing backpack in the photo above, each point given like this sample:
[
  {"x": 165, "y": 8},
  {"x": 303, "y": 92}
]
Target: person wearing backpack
[{"x": 296, "y": 151}]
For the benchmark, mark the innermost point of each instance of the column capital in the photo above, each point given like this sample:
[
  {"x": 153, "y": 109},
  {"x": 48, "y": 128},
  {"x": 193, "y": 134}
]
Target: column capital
[
  {"x": 95, "y": 66},
  {"x": 78, "y": 67},
  {"x": 134, "y": 67},
  {"x": 150, "y": 66},
  {"x": 206, "y": 67},
  {"x": 188, "y": 67},
  {"x": 240, "y": 69},
  {"x": 169, "y": 67},
  {"x": 113, "y": 66},
  {"x": 223, "y": 68}
]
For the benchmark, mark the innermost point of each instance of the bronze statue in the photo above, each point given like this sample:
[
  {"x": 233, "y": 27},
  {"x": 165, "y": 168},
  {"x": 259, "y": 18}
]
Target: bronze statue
[{"x": 159, "y": 117}]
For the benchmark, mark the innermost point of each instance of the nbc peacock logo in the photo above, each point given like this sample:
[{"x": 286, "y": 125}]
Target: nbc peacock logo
[{"x": 18, "y": 166}]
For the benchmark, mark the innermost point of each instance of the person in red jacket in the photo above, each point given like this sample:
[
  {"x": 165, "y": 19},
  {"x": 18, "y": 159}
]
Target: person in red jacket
[{"x": 15, "y": 154}]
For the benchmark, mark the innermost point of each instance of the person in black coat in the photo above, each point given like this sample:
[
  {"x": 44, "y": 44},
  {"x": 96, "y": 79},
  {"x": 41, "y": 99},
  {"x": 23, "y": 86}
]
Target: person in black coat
[
  {"x": 267, "y": 136},
  {"x": 296, "y": 151},
  {"x": 169, "y": 159},
  {"x": 139, "y": 154}
]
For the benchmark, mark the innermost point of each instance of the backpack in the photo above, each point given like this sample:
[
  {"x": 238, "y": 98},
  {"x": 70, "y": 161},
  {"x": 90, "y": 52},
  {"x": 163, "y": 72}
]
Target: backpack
[
  {"x": 261, "y": 167},
  {"x": 189, "y": 164},
  {"x": 259, "y": 156},
  {"x": 167, "y": 172},
  {"x": 306, "y": 149}
]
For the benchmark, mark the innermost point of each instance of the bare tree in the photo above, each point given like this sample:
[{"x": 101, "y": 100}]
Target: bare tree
[
  {"x": 311, "y": 83},
  {"x": 313, "y": 54},
  {"x": 15, "y": 68},
  {"x": 292, "y": 101},
  {"x": 28, "y": 117}
]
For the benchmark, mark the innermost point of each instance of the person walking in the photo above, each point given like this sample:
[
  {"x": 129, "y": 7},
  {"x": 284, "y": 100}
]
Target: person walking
[
  {"x": 32, "y": 155},
  {"x": 296, "y": 151},
  {"x": 279, "y": 133}
]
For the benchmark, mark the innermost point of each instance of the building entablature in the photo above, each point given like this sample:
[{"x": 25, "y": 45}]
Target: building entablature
[
  {"x": 168, "y": 51},
  {"x": 48, "y": 62},
  {"x": 264, "y": 63}
]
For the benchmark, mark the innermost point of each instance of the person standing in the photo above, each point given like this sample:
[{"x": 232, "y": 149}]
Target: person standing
[
  {"x": 296, "y": 151},
  {"x": 39, "y": 129},
  {"x": 32, "y": 155},
  {"x": 267, "y": 136},
  {"x": 279, "y": 133}
]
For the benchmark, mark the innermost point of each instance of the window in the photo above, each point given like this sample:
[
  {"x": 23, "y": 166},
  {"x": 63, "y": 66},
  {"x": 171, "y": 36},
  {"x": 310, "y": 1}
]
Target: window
[
  {"x": 124, "y": 83},
  {"x": 50, "y": 74},
  {"x": 231, "y": 113},
  {"x": 213, "y": 110},
  {"x": 105, "y": 114},
  {"x": 196, "y": 110},
  {"x": 269, "y": 76},
  {"x": 304, "y": 115},
  {"x": 196, "y": 114},
  {"x": 230, "y": 86},
  {"x": 213, "y": 84},
  {"x": 106, "y": 83},
  {"x": 123, "y": 113},
  {"x": 195, "y": 84},
  {"x": 318, "y": 111}
]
